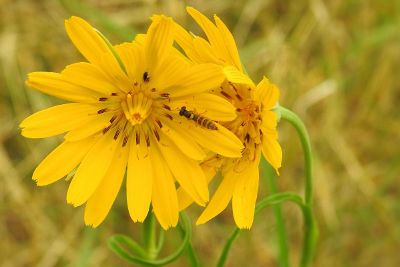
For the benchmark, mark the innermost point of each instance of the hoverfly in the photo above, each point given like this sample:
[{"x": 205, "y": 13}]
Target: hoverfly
[{"x": 200, "y": 120}]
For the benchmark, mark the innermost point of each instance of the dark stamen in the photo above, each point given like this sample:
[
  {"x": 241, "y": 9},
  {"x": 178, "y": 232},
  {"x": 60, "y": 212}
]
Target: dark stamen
[
  {"x": 247, "y": 138},
  {"x": 103, "y": 98},
  {"x": 102, "y": 110},
  {"x": 137, "y": 138},
  {"x": 226, "y": 95},
  {"x": 153, "y": 89},
  {"x": 239, "y": 97},
  {"x": 126, "y": 137},
  {"x": 116, "y": 134},
  {"x": 114, "y": 94},
  {"x": 159, "y": 123},
  {"x": 106, "y": 129},
  {"x": 113, "y": 118},
  {"x": 156, "y": 134},
  {"x": 168, "y": 116},
  {"x": 166, "y": 107},
  {"x": 164, "y": 94},
  {"x": 147, "y": 140}
]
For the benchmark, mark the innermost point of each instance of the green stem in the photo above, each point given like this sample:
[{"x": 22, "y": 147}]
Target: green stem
[
  {"x": 310, "y": 230},
  {"x": 227, "y": 248},
  {"x": 194, "y": 261},
  {"x": 296, "y": 122},
  {"x": 280, "y": 223},
  {"x": 149, "y": 235}
]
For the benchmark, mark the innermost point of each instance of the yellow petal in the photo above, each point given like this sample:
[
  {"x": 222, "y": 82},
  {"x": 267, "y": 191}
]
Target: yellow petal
[
  {"x": 208, "y": 105},
  {"x": 164, "y": 198},
  {"x": 230, "y": 44},
  {"x": 210, "y": 168},
  {"x": 92, "y": 170},
  {"x": 182, "y": 139},
  {"x": 115, "y": 74},
  {"x": 199, "y": 78},
  {"x": 204, "y": 53},
  {"x": 245, "y": 195},
  {"x": 235, "y": 76},
  {"x": 89, "y": 76},
  {"x": 158, "y": 42},
  {"x": 267, "y": 93},
  {"x": 186, "y": 171},
  {"x": 220, "y": 199},
  {"x": 213, "y": 34},
  {"x": 220, "y": 141},
  {"x": 183, "y": 39},
  {"x": 132, "y": 55},
  {"x": 53, "y": 84},
  {"x": 272, "y": 152},
  {"x": 86, "y": 39},
  {"x": 101, "y": 201},
  {"x": 61, "y": 161},
  {"x": 269, "y": 121},
  {"x": 93, "y": 126},
  {"x": 139, "y": 181},
  {"x": 174, "y": 70},
  {"x": 57, "y": 120}
]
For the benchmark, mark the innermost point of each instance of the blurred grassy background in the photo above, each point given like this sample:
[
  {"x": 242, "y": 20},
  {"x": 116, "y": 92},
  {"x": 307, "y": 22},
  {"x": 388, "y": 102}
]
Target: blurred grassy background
[{"x": 337, "y": 63}]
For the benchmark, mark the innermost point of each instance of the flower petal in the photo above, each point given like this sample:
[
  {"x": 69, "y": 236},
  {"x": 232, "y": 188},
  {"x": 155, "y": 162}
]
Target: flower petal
[
  {"x": 91, "y": 127},
  {"x": 61, "y": 161},
  {"x": 53, "y": 84},
  {"x": 199, "y": 78},
  {"x": 229, "y": 42},
  {"x": 213, "y": 34},
  {"x": 272, "y": 152},
  {"x": 267, "y": 93},
  {"x": 235, "y": 76},
  {"x": 86, "y": 39},
  {"x": 208, "y": 105},
  {"x": 139, "y": 184},
  {"x": 158, "y": 42},
  {"x": 220, "y": 199},
  {"x": 164, "y": 198},
  {"x": 220, "y": 141},
  {"x": 101, "y": 201},
  {"x": 245, "y": 195},
  {"x": 89, "y": 76},
  {"x": 132, "y": 55},
  {"x": 210, "y": 168},
  {"x": 174, "y": 70},
  {"x": 91, "y": 170},
  {"x": 182, "y": 139},
  {"x": 57, "y": 120},
  {"x": 186, "y": 171}
]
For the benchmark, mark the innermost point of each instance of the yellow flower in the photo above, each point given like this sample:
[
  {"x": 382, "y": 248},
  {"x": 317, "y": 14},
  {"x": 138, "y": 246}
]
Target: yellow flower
[
  {"x": 255, "y": 124},
  {"x": 125, "y": 117}
]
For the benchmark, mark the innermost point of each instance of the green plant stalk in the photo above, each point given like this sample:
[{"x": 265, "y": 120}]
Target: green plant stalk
[
  {"x": 280, "y": 223},
  {"x": 149, "y": 236},
  {"x": 194, "y": 261},
  {"x": 274, "y": 199},
  {"x": 310, "y": 229}
]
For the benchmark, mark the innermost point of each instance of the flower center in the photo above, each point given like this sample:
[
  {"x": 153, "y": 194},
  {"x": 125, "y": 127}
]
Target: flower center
[{"x": 136, "y": 107}]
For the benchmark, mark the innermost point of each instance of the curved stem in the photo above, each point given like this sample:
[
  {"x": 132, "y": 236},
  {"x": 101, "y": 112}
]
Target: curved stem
[
  {"x": 310, "y": 230},
  {"x": 280, "y": 223},
  {"x": 297, "y": 123},
  {"x": 149, "y": 234}
]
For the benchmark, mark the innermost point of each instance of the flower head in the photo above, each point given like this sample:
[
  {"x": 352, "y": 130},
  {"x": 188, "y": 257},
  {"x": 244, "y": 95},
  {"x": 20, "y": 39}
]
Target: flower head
[
  {"x": 124, "y": 117},
  {"x": 255, "y": 124}
]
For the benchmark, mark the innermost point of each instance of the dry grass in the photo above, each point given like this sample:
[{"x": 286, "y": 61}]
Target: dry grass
[{"x": 337, "y": 63}]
